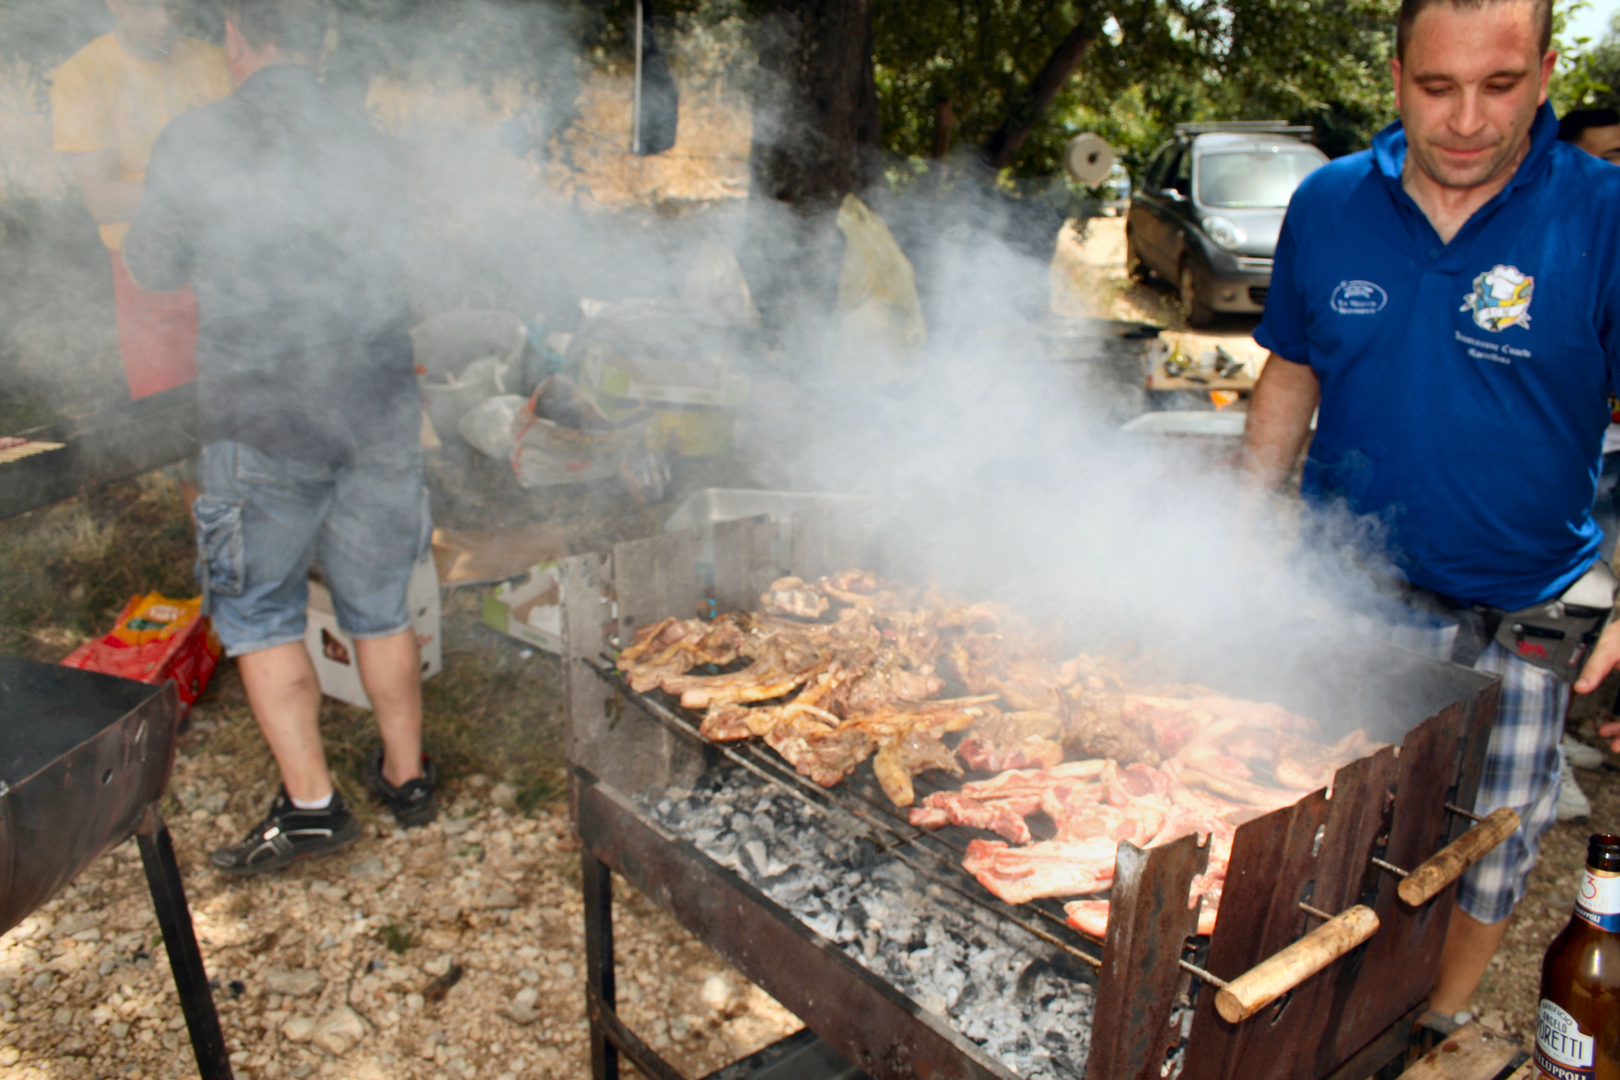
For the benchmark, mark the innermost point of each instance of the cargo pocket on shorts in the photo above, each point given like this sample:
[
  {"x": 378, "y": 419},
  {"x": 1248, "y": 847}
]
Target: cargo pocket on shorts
[{"x": 220, "y": 559}]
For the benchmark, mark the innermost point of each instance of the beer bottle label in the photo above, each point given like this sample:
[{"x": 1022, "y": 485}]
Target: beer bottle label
[
  {"x": 1562, "y": 1051},
  {"x": 1599, "y": 899}
]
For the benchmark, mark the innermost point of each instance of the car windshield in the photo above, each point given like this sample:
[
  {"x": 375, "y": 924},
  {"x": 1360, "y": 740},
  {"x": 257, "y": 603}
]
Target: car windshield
[{"x": 1253, "y": 178}]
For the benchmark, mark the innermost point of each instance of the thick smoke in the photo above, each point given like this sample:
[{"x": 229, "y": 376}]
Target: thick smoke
[{"x": 999, "y": 470}]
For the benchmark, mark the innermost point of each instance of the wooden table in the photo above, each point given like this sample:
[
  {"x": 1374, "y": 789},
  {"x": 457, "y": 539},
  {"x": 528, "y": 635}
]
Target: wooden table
[{"x": 1473, "y": 1052}]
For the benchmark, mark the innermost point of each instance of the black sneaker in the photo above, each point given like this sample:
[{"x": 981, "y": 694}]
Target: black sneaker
[
  {"x": 288, "y": 834},
  {"x": 412, "y": 802}
]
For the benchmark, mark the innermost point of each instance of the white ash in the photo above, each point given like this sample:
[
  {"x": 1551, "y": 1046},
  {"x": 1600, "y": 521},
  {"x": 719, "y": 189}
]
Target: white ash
[{"x": 996, "y": 984}]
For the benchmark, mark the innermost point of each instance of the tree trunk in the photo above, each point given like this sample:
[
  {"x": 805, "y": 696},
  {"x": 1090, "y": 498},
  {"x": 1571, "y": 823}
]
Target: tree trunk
[
  {"x": 816, "y": 129},
  {"x": 816, "y": 139},
  {"x": 1030, "y": 107}
]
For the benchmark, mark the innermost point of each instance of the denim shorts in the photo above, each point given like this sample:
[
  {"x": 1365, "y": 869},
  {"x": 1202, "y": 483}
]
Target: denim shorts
[{"x": 262, "y": 521}]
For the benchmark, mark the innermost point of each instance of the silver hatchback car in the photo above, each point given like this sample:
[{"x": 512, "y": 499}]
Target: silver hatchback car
[{"x": 1209, "y": 208}]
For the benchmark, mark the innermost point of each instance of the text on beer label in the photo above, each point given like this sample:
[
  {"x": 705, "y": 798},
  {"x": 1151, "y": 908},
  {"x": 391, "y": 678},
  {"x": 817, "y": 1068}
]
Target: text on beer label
[
  {"x": 1598, "y": 902},
  {"x": 1563, "y": 1051}
]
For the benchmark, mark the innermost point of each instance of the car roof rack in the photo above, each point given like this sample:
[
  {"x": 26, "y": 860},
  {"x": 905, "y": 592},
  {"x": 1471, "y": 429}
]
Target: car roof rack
[{"x": 1245, "y": 127}]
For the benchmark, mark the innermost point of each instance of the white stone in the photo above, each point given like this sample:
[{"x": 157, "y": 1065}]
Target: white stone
[
  {"x": 298, "y": 1029},
  {"x": 338, "y": 1033},
  {"x": 504, "y": 796},
  {"x": 299, "y": 983},
  {"x": 522, "y": 1014}
]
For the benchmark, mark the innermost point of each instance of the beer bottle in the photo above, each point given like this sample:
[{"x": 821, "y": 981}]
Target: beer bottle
[{"x": 1578, "y": 1030}]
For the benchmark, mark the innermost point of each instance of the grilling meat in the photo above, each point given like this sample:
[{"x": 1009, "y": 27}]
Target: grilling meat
[
  {"x": 900, "y": 758},
  {"x": 848, "y": 667},
  {"x": 1018, "y": 740},
  {"x": 1048, "y": 868}
]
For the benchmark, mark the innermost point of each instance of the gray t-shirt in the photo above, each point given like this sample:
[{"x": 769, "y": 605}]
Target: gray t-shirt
[{"x": 286, "y": 212}]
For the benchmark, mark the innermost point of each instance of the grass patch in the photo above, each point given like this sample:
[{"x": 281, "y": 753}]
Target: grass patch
[
  {"x": 397, "y": 937},
  {"x": 67, "y": 570}
]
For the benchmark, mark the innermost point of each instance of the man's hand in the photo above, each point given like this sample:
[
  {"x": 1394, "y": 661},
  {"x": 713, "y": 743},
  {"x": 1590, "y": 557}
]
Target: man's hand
[{"x": 1605, "y": 656}]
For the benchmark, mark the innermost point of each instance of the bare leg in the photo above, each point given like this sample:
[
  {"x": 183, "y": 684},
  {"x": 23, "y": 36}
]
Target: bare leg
[
  {"x": 1470, "y": 944},
  {"x": 286, "y": 699},
  {"x": 391, "y": 670}
]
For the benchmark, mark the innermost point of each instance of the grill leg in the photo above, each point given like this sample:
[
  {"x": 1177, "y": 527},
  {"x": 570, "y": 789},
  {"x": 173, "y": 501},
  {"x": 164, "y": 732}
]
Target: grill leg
[
  {"x": 185, "y": 959},
  {"x": 598, "y": 888}
]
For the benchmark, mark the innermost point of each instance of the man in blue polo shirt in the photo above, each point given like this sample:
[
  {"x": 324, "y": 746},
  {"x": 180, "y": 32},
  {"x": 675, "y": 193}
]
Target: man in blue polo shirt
[{"x": 1450, "y": 302}]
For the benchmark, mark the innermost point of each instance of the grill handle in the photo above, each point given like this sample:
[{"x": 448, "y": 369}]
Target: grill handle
[
  {"x": 1277, "y": 975},
  {"x": 1447, "y": 864}
]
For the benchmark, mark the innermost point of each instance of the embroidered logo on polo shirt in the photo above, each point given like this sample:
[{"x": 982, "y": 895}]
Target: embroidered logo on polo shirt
[
  {"x": 1358, "y": 298},
  {"x": 1501, "y": 298}
]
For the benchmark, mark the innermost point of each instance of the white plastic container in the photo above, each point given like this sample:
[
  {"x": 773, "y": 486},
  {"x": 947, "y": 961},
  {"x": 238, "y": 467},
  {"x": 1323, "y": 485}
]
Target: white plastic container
[{"x": 336, "y": 664}]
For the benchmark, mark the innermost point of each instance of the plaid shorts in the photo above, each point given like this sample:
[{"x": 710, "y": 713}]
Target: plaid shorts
[{"x": 1522, "y": 762}]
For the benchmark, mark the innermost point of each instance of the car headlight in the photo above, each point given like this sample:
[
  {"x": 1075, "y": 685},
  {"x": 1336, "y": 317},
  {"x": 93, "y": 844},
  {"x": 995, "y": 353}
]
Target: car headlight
[{"x": 1224, "y": 232}]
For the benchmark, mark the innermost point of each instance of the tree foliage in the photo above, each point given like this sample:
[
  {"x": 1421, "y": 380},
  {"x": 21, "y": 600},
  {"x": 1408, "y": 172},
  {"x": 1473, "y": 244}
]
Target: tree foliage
[{"x": 1152, "y": 64}]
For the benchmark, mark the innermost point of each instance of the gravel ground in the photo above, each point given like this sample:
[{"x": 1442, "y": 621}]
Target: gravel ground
[{"x": 330, "y": 968}]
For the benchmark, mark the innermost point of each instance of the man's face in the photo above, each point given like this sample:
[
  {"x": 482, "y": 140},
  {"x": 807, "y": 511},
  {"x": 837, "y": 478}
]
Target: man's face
[
  {"x": 1469, "y": 88},
  {"x": 146, "y": 27},
  {"x": 1603, "y": 142}
]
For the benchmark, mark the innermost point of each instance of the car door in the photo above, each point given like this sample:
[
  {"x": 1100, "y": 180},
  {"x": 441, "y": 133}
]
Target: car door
[
  {"x": 1178, "y": 211},
  {"x": 1139, "y": 219},
  {"x": 1159, "y": 228}
]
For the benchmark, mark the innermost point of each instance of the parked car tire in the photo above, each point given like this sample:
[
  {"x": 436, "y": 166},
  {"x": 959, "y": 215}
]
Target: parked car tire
[
  {"x": 1197, "y": 310},
  {"x": 1135, "y": 266}
]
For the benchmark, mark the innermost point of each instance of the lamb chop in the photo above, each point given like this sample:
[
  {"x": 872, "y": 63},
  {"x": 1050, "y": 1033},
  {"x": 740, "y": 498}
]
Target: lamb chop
[
  {"x": 1096, "y": 728},
  {"x": 1049, "y": 868},
  {"x": 824, "y": 752},
  {"x": 791, "y": 596},
  {"x": 904, "y": 756},
  {"x": 1019, "y": 740},
  {"x": 675, "y": 646}
]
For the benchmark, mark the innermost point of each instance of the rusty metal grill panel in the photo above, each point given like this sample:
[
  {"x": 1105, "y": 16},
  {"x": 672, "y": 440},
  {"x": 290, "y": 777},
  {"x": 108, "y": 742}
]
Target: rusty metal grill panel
[{"x": 1390, "y": 804}]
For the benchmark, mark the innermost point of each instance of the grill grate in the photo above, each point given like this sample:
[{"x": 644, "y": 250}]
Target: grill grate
[{"x": 860, "y": 805}]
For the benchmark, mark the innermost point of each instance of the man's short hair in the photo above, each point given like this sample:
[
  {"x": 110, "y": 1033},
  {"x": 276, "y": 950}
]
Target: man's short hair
[
  {"x": 1573, "y": 124},
  {"x": 293, "y": 26},
  {"x": 1411, "y": 9}
]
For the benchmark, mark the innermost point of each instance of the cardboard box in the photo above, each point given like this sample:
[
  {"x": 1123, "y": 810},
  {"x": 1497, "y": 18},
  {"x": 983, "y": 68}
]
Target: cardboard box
[
  {"x": 694, "y": 403},
  {"x": 529, "y": 610},
  {"x": 489, "y": 556},
  {"x": 333, "y": 650}
]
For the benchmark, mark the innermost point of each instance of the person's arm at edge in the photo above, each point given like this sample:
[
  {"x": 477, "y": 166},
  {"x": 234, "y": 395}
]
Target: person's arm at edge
[
  {"x": 1285, "y": 399},
  {"x": 1606, "y": 652}
]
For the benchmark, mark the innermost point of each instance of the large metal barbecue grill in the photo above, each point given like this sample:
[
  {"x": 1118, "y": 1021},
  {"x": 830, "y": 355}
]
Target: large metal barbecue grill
[
  {"x": 84, "y": 759},
  {"x": 1157, "y": 999}
]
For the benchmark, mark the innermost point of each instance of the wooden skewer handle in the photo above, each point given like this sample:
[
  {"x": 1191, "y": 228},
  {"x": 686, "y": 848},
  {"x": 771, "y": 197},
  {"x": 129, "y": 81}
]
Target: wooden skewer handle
[
  {"x": 1449, "y": 862},
  {"x": 1272, "y": 978}
]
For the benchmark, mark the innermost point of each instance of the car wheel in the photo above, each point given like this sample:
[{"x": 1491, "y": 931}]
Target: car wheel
[
  {"x": 1134, "y": 266},
  {"x": 1197, "y": 310}
]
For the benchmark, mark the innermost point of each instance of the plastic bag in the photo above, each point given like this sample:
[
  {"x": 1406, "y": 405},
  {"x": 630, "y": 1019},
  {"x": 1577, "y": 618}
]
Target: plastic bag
[
  {"x": 562, "y": 437},
  {"x": 491, "y": 425},
  {"x": 716, "y": 291},
  {"x": 881, "y": 331}
]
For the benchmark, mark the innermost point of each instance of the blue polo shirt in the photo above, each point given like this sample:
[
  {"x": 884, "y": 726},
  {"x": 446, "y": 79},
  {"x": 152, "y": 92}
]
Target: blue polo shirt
[{"x": 1463, "y": 384}]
